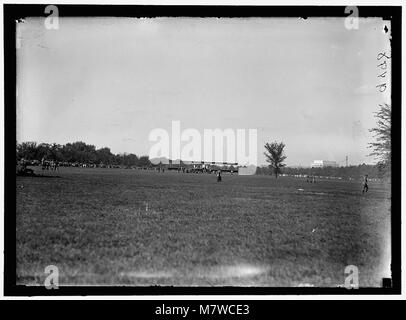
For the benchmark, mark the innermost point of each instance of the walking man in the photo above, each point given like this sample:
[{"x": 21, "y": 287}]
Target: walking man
[
  {"x": 365, "y": 189},
  {"x": 219, "y": 176}
]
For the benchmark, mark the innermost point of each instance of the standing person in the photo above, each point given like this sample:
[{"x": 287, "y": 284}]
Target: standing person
[
  {"x": 23, "y": 164},
  {"x": 43, "y": 164},
  {"x": 219, "y": 176},
  {"x": 365, "y": 189}
]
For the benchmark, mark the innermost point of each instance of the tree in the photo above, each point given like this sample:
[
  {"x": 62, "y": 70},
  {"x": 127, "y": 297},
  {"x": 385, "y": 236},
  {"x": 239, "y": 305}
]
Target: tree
[
  {"x": 55, "y": 152},
  {"x": 43, "y": 151},
  {"x": 275, "y": 156},
  {"x": 382, "y": 148},
  {"x": 143, "y": 161},
  {"x": 77, "y": 152},
  {"x": 104, "y": 156},
  {"x": 27, "y": 150}
]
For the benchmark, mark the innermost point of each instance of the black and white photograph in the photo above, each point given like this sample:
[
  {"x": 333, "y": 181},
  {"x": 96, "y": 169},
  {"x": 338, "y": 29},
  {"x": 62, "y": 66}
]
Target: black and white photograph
[{"x": 203, "y": 150}]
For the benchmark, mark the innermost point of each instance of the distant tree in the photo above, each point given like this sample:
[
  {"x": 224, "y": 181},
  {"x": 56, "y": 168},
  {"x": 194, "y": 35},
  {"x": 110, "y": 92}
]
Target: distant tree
[
  {"x": 382, "y": 148},
  {"x": 144, "y": 161},
  {"x": 77, "y": 152},
  {"x": 128, "y": 159},
  {"x": 27, "y": 150},
  {"x": 104, "y": 156},
  {"x": 55, "y": 152},
  {"x": 275, "y": 156},
  {"x": 44, "y": 151},
  {"x": 354, "y": 172}
]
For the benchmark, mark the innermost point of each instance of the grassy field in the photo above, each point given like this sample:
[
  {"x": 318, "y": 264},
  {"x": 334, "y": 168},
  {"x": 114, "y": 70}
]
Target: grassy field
[{"x": 131, "y": 227}]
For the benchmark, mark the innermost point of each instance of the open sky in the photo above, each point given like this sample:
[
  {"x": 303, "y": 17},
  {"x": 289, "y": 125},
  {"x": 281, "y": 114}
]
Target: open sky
[{"x": 110, "y": 81}]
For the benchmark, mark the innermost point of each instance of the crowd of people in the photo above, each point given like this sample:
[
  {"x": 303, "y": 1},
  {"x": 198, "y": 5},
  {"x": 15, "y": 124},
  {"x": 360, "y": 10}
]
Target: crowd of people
[{"x": 53, "y": 165}]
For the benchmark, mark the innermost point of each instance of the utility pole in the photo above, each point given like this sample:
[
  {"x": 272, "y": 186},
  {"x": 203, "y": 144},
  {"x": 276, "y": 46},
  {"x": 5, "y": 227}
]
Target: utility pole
[{"x": 346, "y": 161}]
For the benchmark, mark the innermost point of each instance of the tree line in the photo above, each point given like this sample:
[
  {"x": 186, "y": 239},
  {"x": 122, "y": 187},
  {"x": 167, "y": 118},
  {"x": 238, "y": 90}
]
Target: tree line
[
  {"x": 355, "y": 172},
  {"x": 77, "y": 152}
]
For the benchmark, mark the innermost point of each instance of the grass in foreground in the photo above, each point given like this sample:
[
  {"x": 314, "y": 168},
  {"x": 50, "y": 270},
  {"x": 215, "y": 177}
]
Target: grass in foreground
[{"x": 130, "y": 227}]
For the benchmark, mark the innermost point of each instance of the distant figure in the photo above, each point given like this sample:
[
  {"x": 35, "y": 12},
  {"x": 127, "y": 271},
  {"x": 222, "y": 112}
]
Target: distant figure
[
  {"x": 365, "y": 189},
  {"x": 219, "y": 176},
  {"x": 55, "y": 165},
  {"x": 23, "y": 164},
  {"x": 44, "y": 164}
]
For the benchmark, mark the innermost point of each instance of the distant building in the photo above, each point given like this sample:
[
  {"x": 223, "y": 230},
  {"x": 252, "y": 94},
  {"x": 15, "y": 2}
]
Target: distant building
[
  {"x": 247, "y": 170},
  {"x": 323, "y": 164}
]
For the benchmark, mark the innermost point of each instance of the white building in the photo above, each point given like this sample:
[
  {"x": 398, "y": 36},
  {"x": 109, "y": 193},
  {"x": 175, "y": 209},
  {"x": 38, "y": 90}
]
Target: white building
[
  {"x": 247, "y": 170},
  {"x": 323, "y": 164}
]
